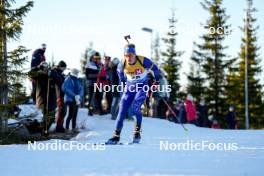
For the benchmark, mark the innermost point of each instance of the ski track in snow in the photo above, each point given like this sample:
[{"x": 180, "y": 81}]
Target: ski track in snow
[{"x": 145, "y": 159}]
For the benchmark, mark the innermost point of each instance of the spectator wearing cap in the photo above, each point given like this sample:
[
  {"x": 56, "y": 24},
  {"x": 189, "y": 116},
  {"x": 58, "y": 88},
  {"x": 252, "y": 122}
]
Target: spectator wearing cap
[
  {"x": 231, "y": 118},
  {"x": 91, "y": 72},
  {"x": 73, "y": 96},
  {"x": 37, "y": 58},
  {"x": 57, "y": 78}
]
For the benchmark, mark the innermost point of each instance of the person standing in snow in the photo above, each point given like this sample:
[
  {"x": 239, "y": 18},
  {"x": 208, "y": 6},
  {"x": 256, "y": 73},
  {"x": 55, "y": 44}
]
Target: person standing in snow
[
  {"x": 103, "y": 80},
  {"x": 91, "y": 71},
  {"x": 190, "y": 110},
  {"x": 201, "y": 113},
  {"x": 182, "y": 112},
  {"x": 215, "y": 124},
  {"x": 114, "y": 81},
  {"x": 57, "y": 78},
  {"x": 38, "y": 57},
  {"x": 108, "y": 95},
  {"x": 231, "y": 118},
  {"x": 73, "y": 97},
  {"x": 161, "y": 106},
  {"x": 133, "y": 71}
]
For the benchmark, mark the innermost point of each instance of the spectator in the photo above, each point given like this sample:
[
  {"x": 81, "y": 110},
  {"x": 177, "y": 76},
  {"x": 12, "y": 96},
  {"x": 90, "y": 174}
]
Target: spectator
[
  {"x": 103, "y": 80},
  {"x": 190, "y": 110},
  {"x": 73, "y": 96},
  {"x": 57, "y": 78},
  {"x": 114, "y": 81},
  {"x": 215, "y": 124},
  {"x": 163, "y": 94},
  {"x": 201, "y": 113},
  {"x": 91, "y": 72},
  {"x": 182, "y": 112},
  {"x": 231, "y": 118},
  {"x": 37, "y": 58},
  {"x": 40, "y": 76},
  {"x": 109, "y": 95}
]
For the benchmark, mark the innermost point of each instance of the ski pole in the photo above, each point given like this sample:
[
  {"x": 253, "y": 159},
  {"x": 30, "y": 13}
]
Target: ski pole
[
  {"x": 47, "y": 108},
  {"x": 185, "y": 129}
]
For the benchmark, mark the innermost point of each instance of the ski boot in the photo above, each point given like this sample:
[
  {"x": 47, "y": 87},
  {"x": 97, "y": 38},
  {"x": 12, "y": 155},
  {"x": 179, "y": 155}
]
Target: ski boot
[
  {"x": 115, "y": 139},
  {"x": 137, "y": 137}
]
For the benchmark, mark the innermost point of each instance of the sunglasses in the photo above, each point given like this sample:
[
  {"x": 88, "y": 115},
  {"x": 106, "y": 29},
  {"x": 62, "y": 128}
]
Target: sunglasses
[{"x": 129, "y": 55}]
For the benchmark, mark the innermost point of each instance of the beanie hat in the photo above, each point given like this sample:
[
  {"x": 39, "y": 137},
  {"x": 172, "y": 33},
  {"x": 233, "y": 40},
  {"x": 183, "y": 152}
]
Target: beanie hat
[
  {"x": 189, "y": 97},
  {"x": 130, "y": 48},
  {"x": 74, "y": 72},
  {"x": 62, "y": 64},
  {"x": 115, "y": 61}
]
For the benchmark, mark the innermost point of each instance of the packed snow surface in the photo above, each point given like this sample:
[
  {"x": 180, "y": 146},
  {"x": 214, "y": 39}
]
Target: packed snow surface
[{"x": 164, "y": 151}]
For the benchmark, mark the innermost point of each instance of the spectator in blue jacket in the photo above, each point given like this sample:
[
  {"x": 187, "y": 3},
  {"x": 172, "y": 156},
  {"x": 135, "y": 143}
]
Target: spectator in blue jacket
[{"x": 73, "y": 90}]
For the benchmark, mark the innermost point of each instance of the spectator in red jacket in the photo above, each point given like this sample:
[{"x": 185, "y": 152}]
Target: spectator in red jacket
[
  {"x": 215, "y": 124},
  {"x": 103, "y": 79},
  {"x": 190, "y": 109}
]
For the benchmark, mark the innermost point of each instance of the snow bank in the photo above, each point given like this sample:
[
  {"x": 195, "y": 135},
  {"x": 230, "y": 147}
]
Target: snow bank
[{"x": 30, "y": 111}]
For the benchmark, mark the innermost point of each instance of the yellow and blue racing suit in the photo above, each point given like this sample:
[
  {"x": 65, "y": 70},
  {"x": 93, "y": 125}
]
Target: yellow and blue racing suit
[{"x": 132, "y": 75}]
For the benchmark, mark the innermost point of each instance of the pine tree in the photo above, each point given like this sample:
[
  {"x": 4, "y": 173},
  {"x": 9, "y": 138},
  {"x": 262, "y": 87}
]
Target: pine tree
[
  {"x": 11, "y": 21},
  {"x": 250, "y": 49},
  {"x": 171, "y": 64},
  {"x": 85, "y": 57},
  {"x": 215, "y": 59},
  {"x": 232, "y": 88},
  {"x": 195, "y": 79},
  {"x": 156, "y": 50}
]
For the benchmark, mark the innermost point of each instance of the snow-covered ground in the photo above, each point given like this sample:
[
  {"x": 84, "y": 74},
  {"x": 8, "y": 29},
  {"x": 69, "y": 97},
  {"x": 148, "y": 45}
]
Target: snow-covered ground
[{"x": 245, "y": 157}]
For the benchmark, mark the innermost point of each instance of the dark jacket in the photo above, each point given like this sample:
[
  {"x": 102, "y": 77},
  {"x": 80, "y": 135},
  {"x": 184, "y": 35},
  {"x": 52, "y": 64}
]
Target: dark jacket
[
  {"x": 114, "y": 80},
  {"x": 182, "y": 114},
  {"x": 202, "y": 114},
  {"x": 57, "y": 79},
  {"x": 37, "y": 57},
  {"x": 91, "y": 71},
  {"x": 231, "y": 120}
]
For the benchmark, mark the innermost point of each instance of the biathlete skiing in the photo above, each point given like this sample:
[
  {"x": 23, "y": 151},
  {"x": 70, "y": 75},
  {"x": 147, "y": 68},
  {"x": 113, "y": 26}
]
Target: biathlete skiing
[{"x": 133, "y": 72}]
